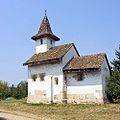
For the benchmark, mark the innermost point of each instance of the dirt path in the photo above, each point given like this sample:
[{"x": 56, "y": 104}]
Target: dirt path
[{"x": 8, "y": 115}]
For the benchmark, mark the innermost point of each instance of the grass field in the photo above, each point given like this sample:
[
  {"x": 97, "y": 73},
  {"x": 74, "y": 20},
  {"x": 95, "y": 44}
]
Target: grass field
[{"x": 65, "y": 112}]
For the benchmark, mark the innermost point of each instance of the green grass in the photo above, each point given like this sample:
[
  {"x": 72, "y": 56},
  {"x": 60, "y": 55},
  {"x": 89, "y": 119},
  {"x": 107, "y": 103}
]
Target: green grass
[{"x": 65, "y": 112}]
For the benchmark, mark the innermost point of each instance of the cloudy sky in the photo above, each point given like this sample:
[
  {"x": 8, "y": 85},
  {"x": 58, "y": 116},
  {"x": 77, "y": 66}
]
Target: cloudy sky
[{"x": 93, "y": 25}]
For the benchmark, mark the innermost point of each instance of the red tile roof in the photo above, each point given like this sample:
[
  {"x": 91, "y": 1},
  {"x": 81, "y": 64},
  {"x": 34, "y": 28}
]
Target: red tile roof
[
  {"x": 45, "y": 30},
  {"x": 53, "y": 55},
  {"x": 93, "y": 61}
]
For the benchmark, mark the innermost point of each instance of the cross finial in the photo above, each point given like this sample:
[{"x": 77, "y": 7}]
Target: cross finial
[{"x": 45, "y": 11}]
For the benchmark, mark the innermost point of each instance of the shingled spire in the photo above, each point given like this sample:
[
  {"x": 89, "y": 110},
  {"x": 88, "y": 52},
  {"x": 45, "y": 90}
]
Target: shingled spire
[{"x": 45, "y": 30}]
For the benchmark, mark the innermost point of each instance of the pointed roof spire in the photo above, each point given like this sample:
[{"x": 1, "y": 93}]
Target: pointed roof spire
[{"x": 45, "y": 30}]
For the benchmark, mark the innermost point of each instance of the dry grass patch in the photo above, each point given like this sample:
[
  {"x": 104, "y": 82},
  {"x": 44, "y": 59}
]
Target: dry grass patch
[{"x": 65, "y": 112}]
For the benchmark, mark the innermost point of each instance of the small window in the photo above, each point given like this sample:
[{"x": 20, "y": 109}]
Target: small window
[
  {"x": 41, "y": 41},
  {"x": 80, "y": 76},
  {"x": 34, "y": 77},
  {"x": 44, "y": 95},
  {"x": 51, "y": 42},
  {"x": 56, "y": 80},
  {"x": 42, "y": 76}
]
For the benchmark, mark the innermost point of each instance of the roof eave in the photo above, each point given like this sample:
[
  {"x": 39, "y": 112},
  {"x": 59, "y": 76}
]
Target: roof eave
[
  {"x": 36, "y": 37},
  {"x": 82, "y": 69},
  {"x": 57, "y": 60}
]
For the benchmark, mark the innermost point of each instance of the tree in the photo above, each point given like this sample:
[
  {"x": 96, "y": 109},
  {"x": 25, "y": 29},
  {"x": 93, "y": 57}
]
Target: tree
[
  {"x": 21, "y": 90},
  {"x": 116, "y": 62},
  {"x": 13, "y": 91},
  {"x": 4, "y": 90},
  {"x": 114, "y": 81}
]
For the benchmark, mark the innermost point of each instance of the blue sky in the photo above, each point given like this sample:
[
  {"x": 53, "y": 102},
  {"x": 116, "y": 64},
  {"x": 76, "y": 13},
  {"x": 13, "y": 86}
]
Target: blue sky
[{"x": 93, "y": 25}]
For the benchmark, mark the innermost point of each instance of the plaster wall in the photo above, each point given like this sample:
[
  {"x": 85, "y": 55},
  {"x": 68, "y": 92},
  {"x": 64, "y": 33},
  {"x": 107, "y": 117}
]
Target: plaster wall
[
  {"x": 105, "y": 74},
  {"x": 47, "y": 89},
  {"x": 87, "y": 90},
  {"x": 69, "y": 55},
  {"x": 45, "y": 46},
  {"x": 50, "y": 73}
]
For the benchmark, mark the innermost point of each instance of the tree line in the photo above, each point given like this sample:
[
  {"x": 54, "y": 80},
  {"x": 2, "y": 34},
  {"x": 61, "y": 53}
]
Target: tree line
[{"x": 17, "y": 92}]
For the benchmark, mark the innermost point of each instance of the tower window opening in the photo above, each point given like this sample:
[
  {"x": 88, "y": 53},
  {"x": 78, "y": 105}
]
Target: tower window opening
[
  {"x": 51, "y": 42},
  {"x": 41, "y": 41}
]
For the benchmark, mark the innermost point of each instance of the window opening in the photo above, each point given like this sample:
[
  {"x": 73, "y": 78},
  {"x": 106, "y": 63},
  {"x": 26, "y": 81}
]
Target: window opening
[
  {"x": 51, "y": 42},
  {"x": 56, "y": 80},
  {"x": 80, "y": 76},
  {"x": 41, "y": 41},
  {"x": 34, "y": 77},
  {"x": 42, "y": 76}
]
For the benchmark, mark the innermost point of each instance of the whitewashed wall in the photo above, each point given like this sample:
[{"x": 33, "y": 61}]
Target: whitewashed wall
[
  {"x": 92, "y": 88},
  {"x": 70, "y": 54},
  {"x": 45, "y": 46},
  {"x": 105, "y": 74},
  {"x": 51, "y": 71},
  {"x": 87, "y": 90}
]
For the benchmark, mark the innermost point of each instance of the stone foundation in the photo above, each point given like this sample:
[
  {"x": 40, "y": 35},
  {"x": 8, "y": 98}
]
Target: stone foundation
[
  {"x": 58, "y": 98},
  {"x": 87, "y": 98},
  {"x": 38, "y": 97}
]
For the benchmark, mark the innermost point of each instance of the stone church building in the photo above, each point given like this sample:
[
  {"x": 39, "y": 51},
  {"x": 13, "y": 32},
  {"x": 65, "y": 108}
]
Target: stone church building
[{"x": 59, "y": 74}]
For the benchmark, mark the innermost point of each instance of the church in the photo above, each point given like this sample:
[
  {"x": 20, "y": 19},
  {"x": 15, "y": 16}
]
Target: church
[{"x": 59, "y": 74}]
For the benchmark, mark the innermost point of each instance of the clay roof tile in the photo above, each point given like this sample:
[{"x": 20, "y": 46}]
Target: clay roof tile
[
  {"x": 86, "y": 62},
  {"x": 55, "y": 53},
  {"x": 45, "y": 30}
]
